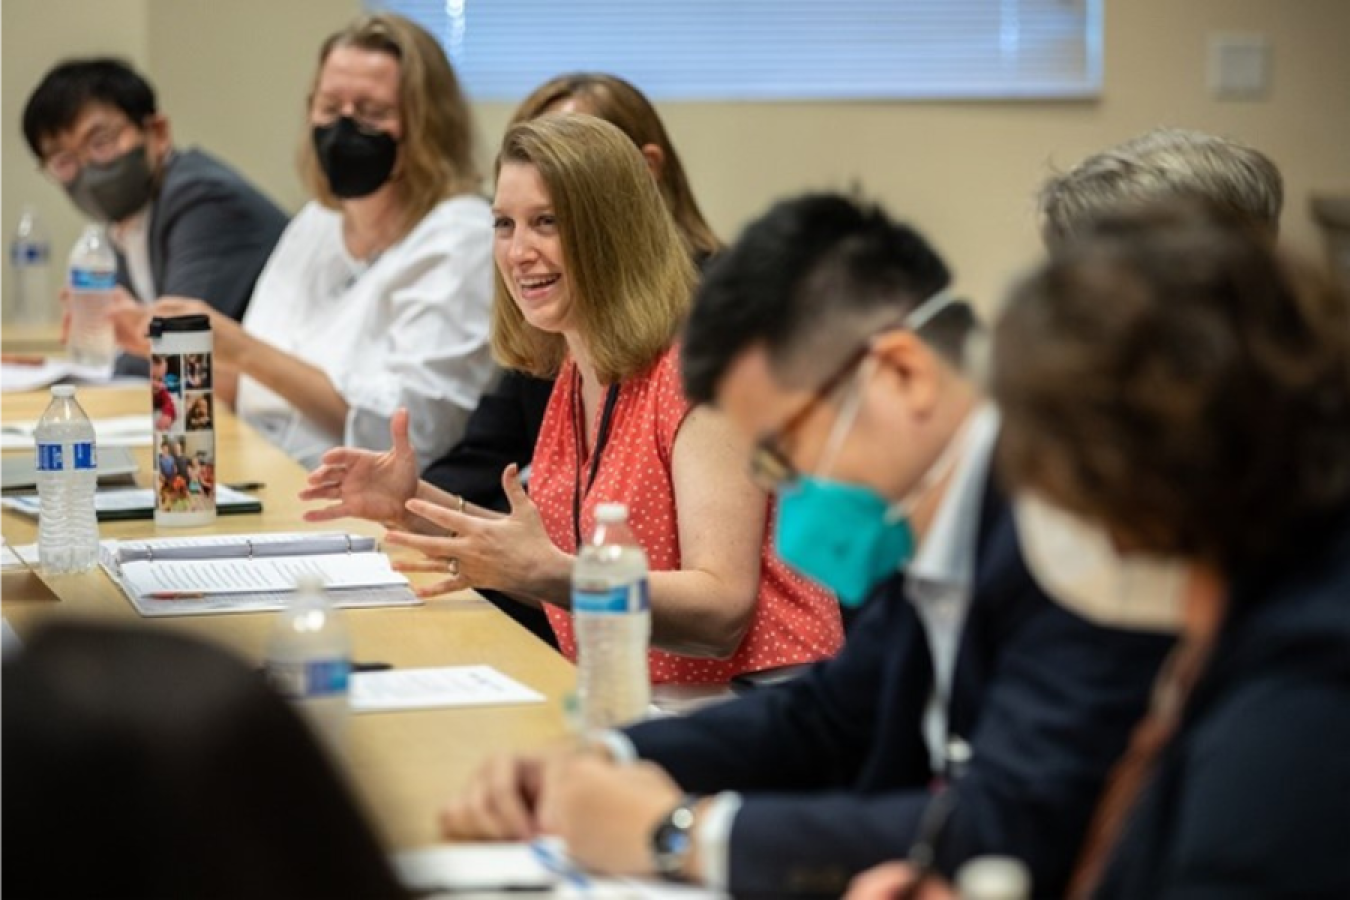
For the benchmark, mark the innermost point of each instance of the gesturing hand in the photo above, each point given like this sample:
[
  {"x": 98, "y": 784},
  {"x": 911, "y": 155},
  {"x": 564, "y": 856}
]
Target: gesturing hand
[
  {"x": 513, "y": 553},
  {"x": 366, "y": 484}
]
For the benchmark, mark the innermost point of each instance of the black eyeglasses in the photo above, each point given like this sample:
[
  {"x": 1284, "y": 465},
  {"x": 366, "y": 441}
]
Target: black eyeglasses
[{"x": 770, "y": 467}]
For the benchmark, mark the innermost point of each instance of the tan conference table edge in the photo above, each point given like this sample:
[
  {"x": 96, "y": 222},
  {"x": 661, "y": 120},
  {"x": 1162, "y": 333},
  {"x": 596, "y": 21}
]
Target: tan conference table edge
[{"x": 403, "y": 765}]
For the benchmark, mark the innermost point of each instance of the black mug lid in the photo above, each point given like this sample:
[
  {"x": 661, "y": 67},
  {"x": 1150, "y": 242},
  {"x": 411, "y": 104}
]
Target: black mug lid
[{"x": 195, "y": 322}]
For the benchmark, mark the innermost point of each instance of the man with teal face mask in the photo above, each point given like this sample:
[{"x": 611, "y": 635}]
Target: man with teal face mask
[
  {"x": 183, "y": 223},
  {"x": 968, "y": 714}
]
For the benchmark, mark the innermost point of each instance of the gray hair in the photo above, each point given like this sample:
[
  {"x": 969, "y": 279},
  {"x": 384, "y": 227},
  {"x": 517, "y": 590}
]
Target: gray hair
[{"x": 1161, "y": 164}]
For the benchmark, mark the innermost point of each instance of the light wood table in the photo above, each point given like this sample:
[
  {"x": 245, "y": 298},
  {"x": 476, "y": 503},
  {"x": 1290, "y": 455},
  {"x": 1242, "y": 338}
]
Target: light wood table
[
  {"x": 43, "y": 338},
  {"x": 402, "y": 764}
]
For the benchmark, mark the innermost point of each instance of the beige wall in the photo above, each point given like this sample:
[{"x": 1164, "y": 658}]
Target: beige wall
[
  {"x": 34, "y": 33},
  {"x": 232, "y": 75}
]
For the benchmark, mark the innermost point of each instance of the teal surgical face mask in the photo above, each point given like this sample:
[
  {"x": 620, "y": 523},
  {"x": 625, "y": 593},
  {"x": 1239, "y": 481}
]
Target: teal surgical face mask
[{"x": 846, "y": 536}]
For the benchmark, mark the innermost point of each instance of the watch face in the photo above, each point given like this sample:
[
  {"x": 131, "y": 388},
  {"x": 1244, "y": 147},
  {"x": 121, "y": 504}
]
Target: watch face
[{"x": 671, "y": 841}]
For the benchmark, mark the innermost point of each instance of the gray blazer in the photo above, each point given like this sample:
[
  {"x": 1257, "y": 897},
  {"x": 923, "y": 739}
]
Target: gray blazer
[{"x": 210, "y": 234}]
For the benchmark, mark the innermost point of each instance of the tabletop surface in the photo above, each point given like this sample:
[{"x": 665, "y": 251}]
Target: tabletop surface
[{"x": 403, "y": 765}]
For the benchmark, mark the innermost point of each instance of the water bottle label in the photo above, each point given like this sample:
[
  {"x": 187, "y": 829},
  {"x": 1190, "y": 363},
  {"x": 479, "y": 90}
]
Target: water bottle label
[
  {"x": 49, "y": 458},
  {"x": 23, "y": 254},
  {"x": 316, "y": 678},
  {"x": 623, "y": 598},
  {"x": 92, "y": 280},
  {"x": 328, "y": 676},
  {"x": 85, "y": 455}
]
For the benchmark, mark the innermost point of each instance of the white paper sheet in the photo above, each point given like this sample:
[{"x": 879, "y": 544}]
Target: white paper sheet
[
  {"x": 15, "y": 378},
  {"x": 493, "y": 869},
  {"x": 10, "y": 559},
  {"x": 118, "y": 431},
  {"x": 401, "y": 689},
  {"x": 473, "y": 867}
]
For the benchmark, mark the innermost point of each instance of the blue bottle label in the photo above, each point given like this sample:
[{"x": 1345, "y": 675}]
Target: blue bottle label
[
  {"x": 314, "y": 678},
  {"x": 85, "y": 455},
  {"x": 326, "y": 677},
  {"x": 620, "y": 599},
  {"x": 49, "y": 458},
  {"x": 92, "y": 280},
  {"x": 24, "y": 254}
]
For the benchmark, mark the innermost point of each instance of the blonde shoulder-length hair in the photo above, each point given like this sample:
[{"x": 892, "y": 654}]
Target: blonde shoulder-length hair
[
  {"x": 436, "y": 152},
  {"x": 629, "y": 276}
]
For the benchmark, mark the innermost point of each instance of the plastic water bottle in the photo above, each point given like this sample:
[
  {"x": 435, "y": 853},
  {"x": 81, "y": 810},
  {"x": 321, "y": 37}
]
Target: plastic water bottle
[
  {"x": 309, "y": 661},
  {"x": 67, "y": 464},
  {"x": 30, "y": 259},
  {"x": 92, "y": 278},
  {"x": 611, "y": 612}
]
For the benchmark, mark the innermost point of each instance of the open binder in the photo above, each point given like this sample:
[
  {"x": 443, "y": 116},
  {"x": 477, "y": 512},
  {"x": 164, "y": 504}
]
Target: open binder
[{"x": 250, "y": 573}]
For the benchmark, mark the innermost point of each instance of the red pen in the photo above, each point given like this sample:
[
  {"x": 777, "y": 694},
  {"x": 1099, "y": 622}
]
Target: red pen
[{"x": 176, "y": 595}]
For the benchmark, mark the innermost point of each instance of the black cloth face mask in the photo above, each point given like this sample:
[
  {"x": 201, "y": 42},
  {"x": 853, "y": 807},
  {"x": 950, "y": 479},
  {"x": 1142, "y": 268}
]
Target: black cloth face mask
[
  {"x": 113, "y": 191},
  {"x": 357, "y": 163}
]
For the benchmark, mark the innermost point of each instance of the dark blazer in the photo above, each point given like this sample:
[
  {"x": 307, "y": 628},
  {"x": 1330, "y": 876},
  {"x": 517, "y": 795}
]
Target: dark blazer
[
  {"x": 1252, "y": 795},
  {"x": 834, "y": 769},
  {"x": 210, "y": 233},
  {"x": 502, "y": 430}
]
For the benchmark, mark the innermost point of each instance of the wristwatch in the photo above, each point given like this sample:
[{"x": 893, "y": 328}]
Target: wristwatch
[{"x": 673, "y": 839}]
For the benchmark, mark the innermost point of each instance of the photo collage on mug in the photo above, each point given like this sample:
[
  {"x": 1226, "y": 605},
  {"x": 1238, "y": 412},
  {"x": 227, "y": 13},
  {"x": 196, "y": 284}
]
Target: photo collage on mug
[{"x": 184, "y": 418}]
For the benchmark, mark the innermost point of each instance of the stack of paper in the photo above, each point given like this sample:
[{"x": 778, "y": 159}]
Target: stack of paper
[{"x": 250, "y": 573}]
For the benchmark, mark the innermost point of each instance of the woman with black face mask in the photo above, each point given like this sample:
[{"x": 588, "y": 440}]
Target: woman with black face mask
[{"x": 377, "y": 295}]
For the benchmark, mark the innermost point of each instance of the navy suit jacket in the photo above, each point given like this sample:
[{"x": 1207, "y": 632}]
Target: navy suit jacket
[
  {"x": 833, "y": 767},
  {"x": 1250, "y": 797}
]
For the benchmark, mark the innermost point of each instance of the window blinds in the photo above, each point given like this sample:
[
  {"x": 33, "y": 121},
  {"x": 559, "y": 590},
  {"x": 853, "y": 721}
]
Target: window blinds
[{"x": 774, "y": 49}]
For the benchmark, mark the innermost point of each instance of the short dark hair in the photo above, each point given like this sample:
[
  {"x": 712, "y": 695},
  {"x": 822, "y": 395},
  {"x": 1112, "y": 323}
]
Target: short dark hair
[
  {"x": 807, "y": 280},
  {"x": 72, "y": 85},
  {"x": 1171, "y": 374}
]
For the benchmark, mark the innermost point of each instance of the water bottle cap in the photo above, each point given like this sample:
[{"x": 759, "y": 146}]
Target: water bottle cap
[
  {"x": 610, "y": 513},
  {"x": 64, "y": 391}
]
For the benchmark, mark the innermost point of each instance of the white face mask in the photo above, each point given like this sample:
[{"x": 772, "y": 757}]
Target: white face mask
[{"x": 1076, "y": 563}]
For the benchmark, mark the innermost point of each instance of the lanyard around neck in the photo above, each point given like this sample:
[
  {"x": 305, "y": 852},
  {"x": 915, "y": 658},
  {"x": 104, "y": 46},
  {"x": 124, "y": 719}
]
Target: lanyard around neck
[{"x": 601, "y": 439}]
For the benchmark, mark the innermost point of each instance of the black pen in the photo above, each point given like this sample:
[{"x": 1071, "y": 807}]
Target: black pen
[
  {"x": 371, "y": 666},
  {"x": 922, "y": 856},
  {"x": 245, "y": 485}
]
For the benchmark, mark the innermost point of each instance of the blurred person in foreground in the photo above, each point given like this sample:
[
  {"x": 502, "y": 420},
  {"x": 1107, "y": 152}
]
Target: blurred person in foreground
[
  {"x": 1173, "y": 383},
  {"x": 169, "y": 769}
]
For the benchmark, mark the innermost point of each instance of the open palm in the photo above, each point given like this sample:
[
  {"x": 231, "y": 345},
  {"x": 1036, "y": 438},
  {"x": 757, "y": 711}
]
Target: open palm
[{"x": 365, "y": 484}]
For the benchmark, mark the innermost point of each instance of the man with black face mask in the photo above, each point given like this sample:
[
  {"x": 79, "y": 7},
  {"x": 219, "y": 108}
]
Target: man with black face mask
[{"x": 183, "y": 223}]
